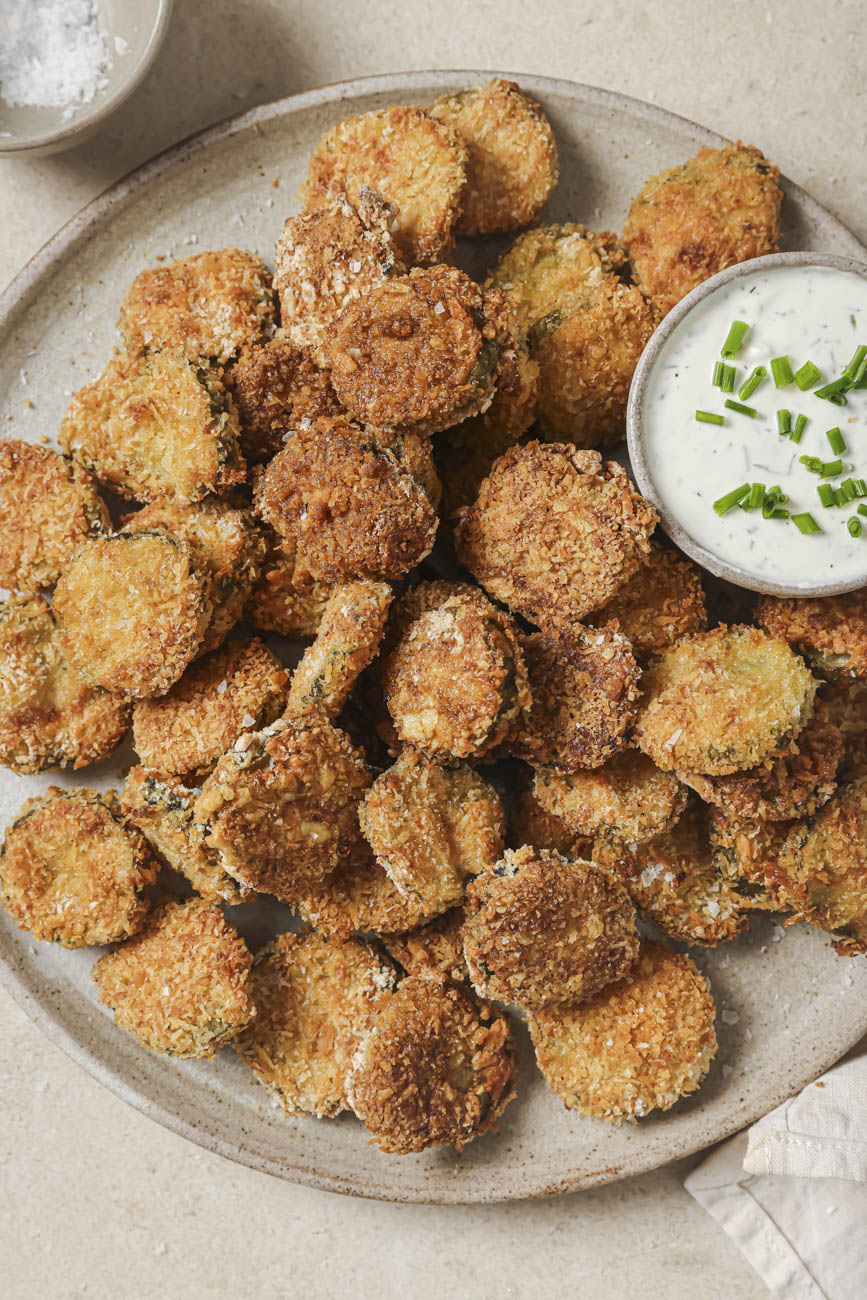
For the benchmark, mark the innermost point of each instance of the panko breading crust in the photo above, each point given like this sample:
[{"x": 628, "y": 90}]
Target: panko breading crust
[
  {"x": 359, "y": 898},
  {"x": 660, "y": 604},
  {"x": 287, "y": 598},
  {"x": 824, "y": 868},
  {"x": 845, "y": 705},
  {"x": 830, "y": 632},
  {"x": 347, "y": 640},
  {"x": 531, "y": 823},
  {"x": 182, "y": 986},
  {"x": 747, "y": 854},
  {"x": 626, "y": 798},
  {"x": 639, "y": 1046},
  {"x": 435, "y": 948}
]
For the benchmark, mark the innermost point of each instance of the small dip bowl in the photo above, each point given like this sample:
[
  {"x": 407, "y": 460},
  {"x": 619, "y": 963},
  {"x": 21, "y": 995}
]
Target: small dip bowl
[{"x": 636, "y": 432}]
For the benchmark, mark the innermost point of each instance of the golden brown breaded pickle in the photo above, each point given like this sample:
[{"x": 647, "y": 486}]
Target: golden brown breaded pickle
[
  {"x": 554, "y": 531},
  {"x": 48, "y": 506},
  {"x": 73, "y": 870},
  {"x": 226, "y": 546},
  {"x": 660, "y": 604},
  {"x": 348, "y": 504},
  {"x": 639, "y": 1046},
  {"x": 157, "y": 425},
  {"x": 330, "y": 258},
  {"x": 432, "y": 827},
  {"x": 359, "y": 898},
  {"x": 347, "y": 640},
  {"x": 824, "y": 868},
  {"x": 162, "y": 809},
  {"x": 845, "y": 705},
  {"x": 723, "y": 701},
  {"x": 49, "y": 716},
  {"x": 626, "y": 798},
  {"x": 281, "y": 806},
  {"x": 830, "y": 632},
  {"x": 435, "y": 948},
  {"x": 439, "y": 1067},
  {"x": 182, "y": 985},
  {"x": 275, "y": 388},
  {"x": 456, "y": 683},
  {"x": 207, "y": 305},
  {"x": 531, "y": 823},
  {"x": 746, "y": 854},
  {"x": 286, "y": 598},
  {"x": 133, "y": 611},
  {"x": 420, "y": 352},
  {"x": 408, "y": 158},
  {"x": 512, "y": 157},
  {"x": 584, "y": 688},
  {"x": 672, "y": 880},
  {"x": 241, "y": 687},
  {"x": 315, "y": 1002},
  {"x": 719, "y": 208}
]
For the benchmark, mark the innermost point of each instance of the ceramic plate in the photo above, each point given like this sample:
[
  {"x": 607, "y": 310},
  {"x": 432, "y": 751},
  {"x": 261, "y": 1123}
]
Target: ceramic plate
[{"x": 791, "y": 1006}]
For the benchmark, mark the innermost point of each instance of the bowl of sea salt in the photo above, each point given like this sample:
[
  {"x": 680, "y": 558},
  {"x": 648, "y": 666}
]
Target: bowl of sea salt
[{"x": 66, "y": 65}]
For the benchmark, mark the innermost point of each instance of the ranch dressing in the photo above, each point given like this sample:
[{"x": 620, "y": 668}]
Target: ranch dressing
[{"x": 803, "y": 312}]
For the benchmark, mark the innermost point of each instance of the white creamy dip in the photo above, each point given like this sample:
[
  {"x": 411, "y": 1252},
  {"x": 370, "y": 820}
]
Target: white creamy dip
[{"x": 816, "y": 314}]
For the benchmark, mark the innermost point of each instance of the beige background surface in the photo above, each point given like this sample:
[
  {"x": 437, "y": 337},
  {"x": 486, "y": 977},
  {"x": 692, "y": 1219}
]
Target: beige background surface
[{"x": 96, "y": 1200}]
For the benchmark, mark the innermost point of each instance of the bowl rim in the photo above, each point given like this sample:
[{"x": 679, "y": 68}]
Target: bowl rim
[
  {"x": 86, "y": 122},
  {"x": 724, "y": 569}
]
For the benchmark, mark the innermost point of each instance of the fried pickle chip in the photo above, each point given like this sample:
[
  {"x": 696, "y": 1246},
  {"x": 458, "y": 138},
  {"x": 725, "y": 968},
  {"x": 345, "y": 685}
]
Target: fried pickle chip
[
  {"x": 315, "y": 1002},
  {"x": 49, "y": 716},
  {"x": 48, "y": 506},
  {"x": 348, "y": 503},
  {"x": 542, "y": 928},
  {"x": 348, "y": 638},
  {"x": 830, "y": 632},
  {"x": 845, "y": 705},
  {"x": 207, "y": 305},
  {"x": 286, "y": 598},
  {"x": 281, "y": 806},
  {"x": 161, "y": 807},
  {"x": 406, "y": 156},
  {"x": 638, "y": 1046},
  {"x": 746, "y": 854},
  {"x": 155, "y": 425},
  {"x": 419, "y": 352},
  {"x": 554, "y": 532},
  {"x": 456, "y": 684},
  {"x": 824, "y": 868},
  {"x": 241, "y": 687},
  {"x": 531, "y": 823},
  {"x": 659, "y": 605},
  {"x": 719, "y": 208},
  {"x": 584, "y": 688},
  {"x": 439, "y": 1067},
  {"x": 435, "y": 948},
  {"x": 432, "y": 827},
  {"x": 359, "y": 898},
  {"x": 73, "y": 870},
  {"x": 512, "y": 158},
  {"x": 182, "y": 985},
  {"x": 723, "y": 701},
  {"x": 133, "y": 611},
  {"x": 626, "y": 798}
]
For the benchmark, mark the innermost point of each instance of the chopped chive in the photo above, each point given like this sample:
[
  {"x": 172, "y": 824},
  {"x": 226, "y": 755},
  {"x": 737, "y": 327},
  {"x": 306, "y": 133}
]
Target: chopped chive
[
  {"x": 739, "y": 406},
  {"x": 851, "y": 370},
  {"x": 805, "y": 523},
  {"x": 749, "y": 386},
  {"x": 778, "y": 492},
  {"x": 731, "y": 499},
  {"x": 847, "y": 487},
  {"x": 826, "y": 494},
  {"x": 835, "y": 392},
  {"x": 862, "y": 510},
  {"x": 812, "y": 463},
  {"x": 860, "y": 486},
  {"x": 798, "y": 432},
  {"x": 840, "y": 497},
  {"x": 784, "y": 421},
  {"x": 831, "y": 468},
  {"x": 855, "y": 527},
  {"x": 756, "y": 499},
  {"x": 781, "y": 369},
  {"x": 773, "y": 498},
  {"x": 859, "y": 380},
  {"x": 724, "y": 377},
  {"x": 807, "y": 376},
  {"x": 709, "y": 417},
  {"x": 836, "y": 439},
  {"x": 778, "y": 514},
  {"x": 733, "y": 340}
]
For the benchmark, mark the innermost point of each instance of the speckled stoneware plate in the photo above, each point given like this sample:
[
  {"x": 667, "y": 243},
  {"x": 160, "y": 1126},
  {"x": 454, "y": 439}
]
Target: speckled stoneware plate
[{"x": 791, "y": 1006}]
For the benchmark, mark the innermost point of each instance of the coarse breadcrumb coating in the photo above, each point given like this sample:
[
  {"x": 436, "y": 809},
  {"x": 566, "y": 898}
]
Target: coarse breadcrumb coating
[
  {"x": 688, "y": 223},
  {"x": 73, "y": 869},
  {"x": 182, "y": 985},
  {"x": 133, "y": 610},
  {"x": 418, "y": 352},
  {"x": 241, "y": 687},
  {"x": 512, "y": 157},
  {"x": 348, "y": 503},
  {"x": 408, "y": 158},
  {"x": 347, "y": 640},
  {"x": 626, "y": 798},
  {"x": 554, "y": 531},
  {"x": 639, "y": 1046},
  {"x": 723, "y": 701},
  {"x": 49, "y": 505},
  {"x": 162, "y": 809},
  {"x": 831, "y": 632},
  {"x": 315, "y": 1001},
  {"x": 49, "y": 716},
  {"x": 207, "y": 305},
  {"x": 282, "y": 805},
  {"x": 287, "y": 598},
  {"x": 673, "y": 881},
  {"x": 456, "y": 684},
  {"x": 437, "y": 947},
  {"x": 845, "y": 705},
  {"x": 584, "y": 688},
  {"x": 746, "y": 854},
  {"x": 359, "y": 898},
  {"x": 156, "y": 425},
  {"x": 531, "y": 823},
  {"x": 542, "y": 928},
  {"x": 432, "y": 827},
  {"x": 438, "y": 1067},
  {"x": 660, "y": 604}
]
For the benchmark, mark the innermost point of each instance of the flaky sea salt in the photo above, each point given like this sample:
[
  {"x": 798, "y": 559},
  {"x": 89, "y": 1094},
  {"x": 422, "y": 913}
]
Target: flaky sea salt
[{"x": 53, "y": 54}]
